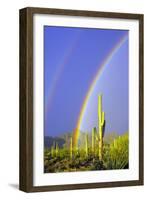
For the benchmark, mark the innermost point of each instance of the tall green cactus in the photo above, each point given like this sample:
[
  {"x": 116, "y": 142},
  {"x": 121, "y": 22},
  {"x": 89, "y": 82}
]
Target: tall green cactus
[
  {"x": 101, "y": 121},
  {"x": 71, "y": 150},
  {"x": 86, "y": 145},
  {"x": 93, "y": 140}
]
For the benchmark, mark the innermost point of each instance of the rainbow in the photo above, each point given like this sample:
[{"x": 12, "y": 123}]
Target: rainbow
[
  {"x": 92, "y": 86},
  {"x": 60, "y": 69}
]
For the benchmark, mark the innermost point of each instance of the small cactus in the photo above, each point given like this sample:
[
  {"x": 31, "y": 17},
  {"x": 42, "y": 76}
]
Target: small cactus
[
  {"x": 86, "y": 145},
  {"x": 93, "y": 140},
  {"x": 71, "y": 144},
  {"x": 56, "y": 149},
  {"x": 101, "y": 121},
  {"x": 52, "y": 151}
]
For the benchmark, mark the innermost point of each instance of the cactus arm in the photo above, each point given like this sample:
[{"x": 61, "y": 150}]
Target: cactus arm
[{"x": 102, "y": 118}]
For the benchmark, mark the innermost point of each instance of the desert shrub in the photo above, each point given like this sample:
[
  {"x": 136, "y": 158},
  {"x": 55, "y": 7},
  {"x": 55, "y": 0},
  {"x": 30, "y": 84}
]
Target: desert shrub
[{"x": 116, "y": 156}]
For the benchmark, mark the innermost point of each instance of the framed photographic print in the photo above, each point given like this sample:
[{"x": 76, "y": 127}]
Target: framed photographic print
[{"x": 81, "y": 99}]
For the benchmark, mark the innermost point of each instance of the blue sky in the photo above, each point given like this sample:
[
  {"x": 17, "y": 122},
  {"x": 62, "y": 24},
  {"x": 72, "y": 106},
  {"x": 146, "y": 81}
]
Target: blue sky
[{"x": 72, "y": 57}]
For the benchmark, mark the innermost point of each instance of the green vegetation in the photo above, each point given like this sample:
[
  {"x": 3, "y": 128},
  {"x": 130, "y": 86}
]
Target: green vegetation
[
  {"x": 116, "y": 155},
  {"x": 101, "y": 121},
  {"x": 95, "y": 151}
]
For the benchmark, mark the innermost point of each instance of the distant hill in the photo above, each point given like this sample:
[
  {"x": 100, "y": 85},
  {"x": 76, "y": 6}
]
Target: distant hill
[
  {"x": 48, "y": 141},
  {"x": 64, "y": 139}
]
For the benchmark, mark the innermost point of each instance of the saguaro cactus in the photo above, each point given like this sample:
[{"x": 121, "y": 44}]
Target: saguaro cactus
[
  {"x": 86, "y": 145},
  {"x": 57, "y": 149},
  {"x": 70, "y": 150},
  {"x": 52, "y": 151},
  {"x": 101, "y": 121},
  {"x": 93, "y": 140}
]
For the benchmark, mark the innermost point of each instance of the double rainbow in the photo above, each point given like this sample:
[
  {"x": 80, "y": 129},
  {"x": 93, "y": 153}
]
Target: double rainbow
[{"x": 92, "y": 87}]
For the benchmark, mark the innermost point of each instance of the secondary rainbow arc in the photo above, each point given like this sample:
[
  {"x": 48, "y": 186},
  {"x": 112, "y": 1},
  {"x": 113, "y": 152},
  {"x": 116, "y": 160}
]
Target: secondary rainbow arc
[{"x": 60, "y": 69}]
